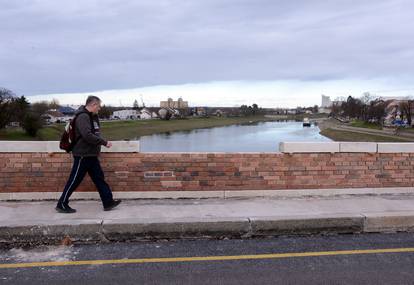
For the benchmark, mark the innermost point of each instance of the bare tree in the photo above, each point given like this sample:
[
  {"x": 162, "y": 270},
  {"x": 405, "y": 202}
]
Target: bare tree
[
  {"x": 6, "y": 99},
  {"x": 54, "y": 104},
  {"x": 255, "y": 109},
  {"x": 336, "y": 109},
  {"x": 376, "y": 110},
  {"x": 353, "y": 107},
  {"x": 105, "y": 112},
  {"x": 366, "y": 98},
  {"x": 40, "y": 107},
  {"x": 19, "y": 108},
  {"x": 135, "y": 105},
  {"x": 407, "y": 108}
]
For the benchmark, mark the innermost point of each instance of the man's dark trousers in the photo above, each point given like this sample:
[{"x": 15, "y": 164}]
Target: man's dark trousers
[{"x": 81, "y": 166}]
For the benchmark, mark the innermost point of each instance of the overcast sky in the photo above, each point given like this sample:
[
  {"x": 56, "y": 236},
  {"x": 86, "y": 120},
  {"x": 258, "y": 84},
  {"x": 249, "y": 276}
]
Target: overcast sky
[{"x": 210, "y": 52}]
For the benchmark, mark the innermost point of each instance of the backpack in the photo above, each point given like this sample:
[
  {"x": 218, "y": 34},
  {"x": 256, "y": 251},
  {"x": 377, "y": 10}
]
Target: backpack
[{"x": 68, "y": 138}]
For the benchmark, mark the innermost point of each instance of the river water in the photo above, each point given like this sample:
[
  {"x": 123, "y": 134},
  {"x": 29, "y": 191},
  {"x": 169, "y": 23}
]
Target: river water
[{"x": 253, "y": 137}]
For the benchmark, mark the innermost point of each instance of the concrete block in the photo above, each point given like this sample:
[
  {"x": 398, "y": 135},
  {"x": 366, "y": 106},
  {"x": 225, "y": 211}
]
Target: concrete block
[
  {"x": 123, "y": 146},
  {"x": 389, "y": 222},
  {"x": 279, "y": 225},
  {"x": 167, "y": 194},
  {"x": 83, "y": 196},
  {"x": 35, "y": 196},
  {"x": 53, "y": 146},
  {"x": 357, "y": 147},
  {"x": 308, "y": 147},
  {"x": 6, "y": 196},
  {"x": 299, "y": 193},
  {"x": 42, "y": 196},
  {"x": 132, "y": 195},
  {"x": 23, "y": 146},
  {"x": 47, "y": 232},
  {"x": 395, "y": 147},
  {"x": 136, "y": 229}
]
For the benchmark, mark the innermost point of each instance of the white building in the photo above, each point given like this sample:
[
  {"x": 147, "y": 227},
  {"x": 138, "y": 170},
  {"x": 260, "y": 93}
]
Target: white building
[
  {"x": 53, "y": 116},
  {"x": 326, "y": 102},
  {"x": 145, "y": 114},
  {"x": 125, "y": 115}
]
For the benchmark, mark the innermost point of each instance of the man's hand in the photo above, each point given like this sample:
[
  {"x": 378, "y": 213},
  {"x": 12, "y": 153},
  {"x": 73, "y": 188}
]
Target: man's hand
[{"x": 108, "y": 145}]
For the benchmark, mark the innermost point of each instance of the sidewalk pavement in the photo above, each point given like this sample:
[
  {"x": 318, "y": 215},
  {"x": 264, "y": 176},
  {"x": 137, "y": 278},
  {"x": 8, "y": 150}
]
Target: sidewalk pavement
[
  {"x": 38, "y": 222},
  {"x": 387, "y": 133}
]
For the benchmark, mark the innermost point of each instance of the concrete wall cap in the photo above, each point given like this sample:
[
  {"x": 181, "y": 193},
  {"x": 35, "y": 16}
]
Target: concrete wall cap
[
  {"x": 358, "y": 147},
  {"x": 333, "y": 147},
  {"x": 395, "y": 147},
  {"x": 53, "y": 146},
  {"x": 309, "y": 147}
]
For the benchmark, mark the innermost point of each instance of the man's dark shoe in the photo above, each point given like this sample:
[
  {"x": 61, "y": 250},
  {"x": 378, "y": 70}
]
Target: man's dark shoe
[
  {"x": 113, "y": 204},
  {"x": 65, "y": 209}
]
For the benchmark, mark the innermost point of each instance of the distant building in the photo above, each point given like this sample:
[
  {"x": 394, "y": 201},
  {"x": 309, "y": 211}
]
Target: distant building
[
  {"x": 170, "y": 103},
  {"x": 125, "y": 115},
  {"x": 145, "y": 114},
  {"x": 199, "y": 111},
  {"x": 67, "y": 111},
  {"x": 292, "y": 112},
  {"x": 326, "y": 105},
  {"x": 326, "y": 102},
  {"x": 54, "y": 116},
  {"x": 395, "y": 98},
  {"x": 13, "y": 125},
  {"x": 218, "y": 113},
  {"x": 393, "y": 110}
]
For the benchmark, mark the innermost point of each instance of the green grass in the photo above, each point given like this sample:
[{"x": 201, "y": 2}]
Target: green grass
[
  {"x": 15, "y": 134},
  {"x": 362, "y": 124},
  {"x": 337, "y": 135},
  {"x": 409, "y": 130},
  {"x": 48, "y": 133},
  {"x": 51, "y": 133},
  {"x": 120, "y": 130}
]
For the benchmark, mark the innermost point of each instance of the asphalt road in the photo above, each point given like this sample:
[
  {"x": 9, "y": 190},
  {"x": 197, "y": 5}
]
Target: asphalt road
[{"x": 342, "y": 259}]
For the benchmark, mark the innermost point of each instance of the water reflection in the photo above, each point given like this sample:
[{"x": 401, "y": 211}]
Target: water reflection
[{"x": 250, "y": 137}]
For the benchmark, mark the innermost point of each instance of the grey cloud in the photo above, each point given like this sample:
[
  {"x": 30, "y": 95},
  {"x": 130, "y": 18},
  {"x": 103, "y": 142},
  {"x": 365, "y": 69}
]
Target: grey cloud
[{"x": 78, "y": 46}]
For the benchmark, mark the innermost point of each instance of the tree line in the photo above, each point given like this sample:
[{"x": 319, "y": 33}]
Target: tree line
[
  {"x": 15, "y": 108},
  {"x": 250, "y": 110},
  {"x": 370, "y": 109}
]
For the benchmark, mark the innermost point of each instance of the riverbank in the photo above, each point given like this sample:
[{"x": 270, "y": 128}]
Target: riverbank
[
  {"x": 342, "y": 135},
  {"x": 338, "y": 131},
  {"x": 125, "y": 130},
  {"x": 121, "y": 130}
]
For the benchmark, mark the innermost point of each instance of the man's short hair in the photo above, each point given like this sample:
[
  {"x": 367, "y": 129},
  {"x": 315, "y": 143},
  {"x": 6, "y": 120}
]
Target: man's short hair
[{"x": 92, "y": 99}]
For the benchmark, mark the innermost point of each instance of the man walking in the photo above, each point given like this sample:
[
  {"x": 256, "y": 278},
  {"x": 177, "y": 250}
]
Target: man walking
[{"x": 85, "y": 152}]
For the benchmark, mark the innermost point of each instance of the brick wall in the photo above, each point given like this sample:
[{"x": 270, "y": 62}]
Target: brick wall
[{"x": 43, "y": 172}]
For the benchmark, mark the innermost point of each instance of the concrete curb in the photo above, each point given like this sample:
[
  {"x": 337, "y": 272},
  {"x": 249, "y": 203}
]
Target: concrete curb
[
  {"x": 81, "y": 230},
  {"x": 389, "y": 222},
  {"x": 238, "y": 227},
  {"x": 224, "y": 194},
  {"x": 176, "y": 229},
  {"x": 265, "y": 226}
]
